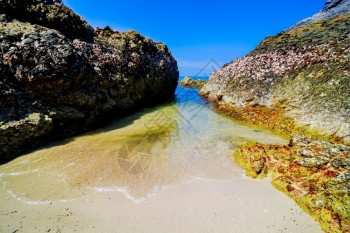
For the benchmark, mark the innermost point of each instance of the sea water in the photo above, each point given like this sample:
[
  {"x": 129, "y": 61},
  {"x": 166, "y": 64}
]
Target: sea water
[{"x": 182, "y": 140}]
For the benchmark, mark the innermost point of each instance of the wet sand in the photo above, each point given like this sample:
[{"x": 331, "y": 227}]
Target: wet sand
[{"x": 235, "y": 205}]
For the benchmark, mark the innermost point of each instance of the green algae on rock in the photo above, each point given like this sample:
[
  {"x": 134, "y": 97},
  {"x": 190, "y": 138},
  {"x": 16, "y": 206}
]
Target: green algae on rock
[
  {"x": 52, "y": 63},
  {"x": 314, "y": 172}
]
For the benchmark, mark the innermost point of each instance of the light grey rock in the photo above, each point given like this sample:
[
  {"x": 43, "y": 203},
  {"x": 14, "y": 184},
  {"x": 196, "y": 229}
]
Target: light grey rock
[
  {"x": 303, "y": 71},
  {"x": 331, "y": 9}
]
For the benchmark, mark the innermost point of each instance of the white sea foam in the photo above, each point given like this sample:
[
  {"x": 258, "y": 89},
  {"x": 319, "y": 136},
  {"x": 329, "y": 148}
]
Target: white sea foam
[
  {"x": 29, "y": 201},
  {"x": 1, "y": 178},
  {"x": 3, "y": 182},
  {"x": 21, "y": 172},
  {"x": 127, "y": 194},
  {"x": 71, "y": 164},
  {"x": 25, "y": 161}
]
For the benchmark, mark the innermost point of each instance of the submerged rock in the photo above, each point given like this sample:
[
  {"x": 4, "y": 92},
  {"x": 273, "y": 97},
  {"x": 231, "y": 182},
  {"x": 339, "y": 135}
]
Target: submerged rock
[
  {"x": 300, "y": 76},
  {"x": 189, "y": 82},
  {"x": 59, "y": 77}
]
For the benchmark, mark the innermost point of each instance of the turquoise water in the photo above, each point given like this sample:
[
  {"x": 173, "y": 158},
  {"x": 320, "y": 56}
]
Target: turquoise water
[{"x": 138, "y": 155}]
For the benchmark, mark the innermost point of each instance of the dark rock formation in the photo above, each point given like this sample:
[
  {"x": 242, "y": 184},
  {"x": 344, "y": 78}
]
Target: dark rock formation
[
  {"x": 302, "y": 72},
  {"x": 59, "y": 77},
  {"x": 48, "y": 14},
  {"x": 191, "y": 83}
]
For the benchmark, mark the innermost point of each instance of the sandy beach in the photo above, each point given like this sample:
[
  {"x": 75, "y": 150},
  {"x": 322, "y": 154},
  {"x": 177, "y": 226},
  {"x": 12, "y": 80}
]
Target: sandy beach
[
  {"x": 235, "y": 205},
  {"x": 116, "y": 180},
  {"x": 133, "y": 118}
]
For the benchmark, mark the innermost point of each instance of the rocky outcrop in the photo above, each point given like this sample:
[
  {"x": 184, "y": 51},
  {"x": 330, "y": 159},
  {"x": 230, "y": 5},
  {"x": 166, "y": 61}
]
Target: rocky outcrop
[
  {"x": 297, "y": 83},
  {"x": 59, "y": 77},
  {"x": 331, "y": 9},
  {"x": 302, "y": 73},
  {"x": 192, "y": 83},
  {"x": 315, "y": 173},
  {"x": 48, "y": 14}
]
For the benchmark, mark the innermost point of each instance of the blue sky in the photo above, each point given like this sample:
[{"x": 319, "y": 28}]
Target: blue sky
[{"x": 199, "y": 32}]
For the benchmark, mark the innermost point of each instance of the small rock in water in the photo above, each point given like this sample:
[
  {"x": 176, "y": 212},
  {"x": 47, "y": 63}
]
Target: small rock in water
[{"x": 189, "y": 82}]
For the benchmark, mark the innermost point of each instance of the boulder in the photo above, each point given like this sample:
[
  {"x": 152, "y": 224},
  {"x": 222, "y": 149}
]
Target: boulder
[{"x": 59, "y": 77}]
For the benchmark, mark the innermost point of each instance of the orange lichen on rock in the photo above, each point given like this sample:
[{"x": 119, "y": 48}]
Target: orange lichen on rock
[
  {"x": 314, "y": 172},
  {"x": 268, "y": 117}
]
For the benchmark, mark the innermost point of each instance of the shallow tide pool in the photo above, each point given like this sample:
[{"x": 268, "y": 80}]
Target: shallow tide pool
[{"x": 138, "y": 155}]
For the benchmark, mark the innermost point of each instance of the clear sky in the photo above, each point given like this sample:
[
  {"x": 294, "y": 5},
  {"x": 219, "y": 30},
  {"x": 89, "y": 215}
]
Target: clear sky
[{"x": 197, "y": 32}]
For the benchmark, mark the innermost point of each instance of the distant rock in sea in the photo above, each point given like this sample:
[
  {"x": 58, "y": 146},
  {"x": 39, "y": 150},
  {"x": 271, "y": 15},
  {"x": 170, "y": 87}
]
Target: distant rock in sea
[
  {"x": 59, "y": 77},
  {"x": 189, "y": 82}
]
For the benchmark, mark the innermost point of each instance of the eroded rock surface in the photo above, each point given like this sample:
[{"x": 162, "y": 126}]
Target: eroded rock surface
[
  {"x": 303, "y": 72},
  {"x": 59, "y": 77}
]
